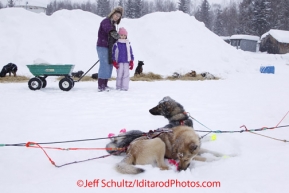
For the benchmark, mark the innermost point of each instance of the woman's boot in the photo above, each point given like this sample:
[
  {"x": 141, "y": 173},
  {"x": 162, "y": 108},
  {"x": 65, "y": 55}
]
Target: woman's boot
[{"x": 101, "y": 84}]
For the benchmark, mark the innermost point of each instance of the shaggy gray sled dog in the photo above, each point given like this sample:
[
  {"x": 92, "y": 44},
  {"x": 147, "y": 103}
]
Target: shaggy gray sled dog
[{"x": 173, "y": 111}]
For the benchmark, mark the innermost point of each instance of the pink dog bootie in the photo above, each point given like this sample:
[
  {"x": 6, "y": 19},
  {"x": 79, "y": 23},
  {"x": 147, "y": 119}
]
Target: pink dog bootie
[
  {"x": 122, "y": 131},
  {"x": 110, "y": 135}
]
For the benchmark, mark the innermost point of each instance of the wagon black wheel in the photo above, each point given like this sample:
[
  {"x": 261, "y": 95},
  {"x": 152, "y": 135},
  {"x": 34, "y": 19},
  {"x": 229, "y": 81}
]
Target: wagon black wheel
[
  {"x": 65, "y": 84},
  {"x": 35, "y": 83},
  {"x": 44, "y": 82},
  {"x": 72, "y": 81}
]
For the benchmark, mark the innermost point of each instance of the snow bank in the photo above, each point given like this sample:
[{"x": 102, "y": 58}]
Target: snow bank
[{"x": 166, "y": 42}]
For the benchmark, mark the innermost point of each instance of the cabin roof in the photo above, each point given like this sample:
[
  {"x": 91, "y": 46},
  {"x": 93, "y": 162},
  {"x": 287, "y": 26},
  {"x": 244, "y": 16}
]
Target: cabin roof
[
  {"x": 244, "y": 37},
  {"x": 281, "y": 36}
]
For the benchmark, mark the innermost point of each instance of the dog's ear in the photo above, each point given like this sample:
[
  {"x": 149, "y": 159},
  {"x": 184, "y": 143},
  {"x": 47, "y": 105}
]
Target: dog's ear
[
  {"x": 166, "y": 102},
  {"x": 193, "y": 147},
  {"x": 167, "y": 98}
]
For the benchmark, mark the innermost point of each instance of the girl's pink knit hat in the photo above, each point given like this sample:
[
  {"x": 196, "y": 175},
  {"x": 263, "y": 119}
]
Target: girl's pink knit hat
[{"x": 122, "y": 31}]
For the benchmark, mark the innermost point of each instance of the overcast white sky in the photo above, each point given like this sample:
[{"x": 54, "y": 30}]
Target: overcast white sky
[{"x": 210, "y": 1}]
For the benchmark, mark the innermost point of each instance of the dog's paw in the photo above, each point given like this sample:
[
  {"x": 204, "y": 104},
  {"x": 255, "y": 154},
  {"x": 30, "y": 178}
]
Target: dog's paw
[
  {"x": 229, "y": 155},
  {"x": 211, "y": 159},
  {"x": 164, "y": 168}
]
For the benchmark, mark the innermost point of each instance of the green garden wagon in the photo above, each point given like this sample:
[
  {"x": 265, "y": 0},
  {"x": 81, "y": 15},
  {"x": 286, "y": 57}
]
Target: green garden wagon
[{"x": 42, "y": 71}]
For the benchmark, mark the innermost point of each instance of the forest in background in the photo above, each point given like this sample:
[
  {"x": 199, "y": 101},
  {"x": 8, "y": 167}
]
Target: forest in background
[{"x": 251, "y": 17}]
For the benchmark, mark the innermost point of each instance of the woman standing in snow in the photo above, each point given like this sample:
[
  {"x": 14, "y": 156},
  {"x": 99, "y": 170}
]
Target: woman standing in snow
[
  {"x": 122, "y": 57},
  {"x": 107, "y": 36}
]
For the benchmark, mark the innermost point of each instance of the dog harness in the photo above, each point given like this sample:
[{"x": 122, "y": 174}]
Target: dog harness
[{"x": 150, "y": 134}]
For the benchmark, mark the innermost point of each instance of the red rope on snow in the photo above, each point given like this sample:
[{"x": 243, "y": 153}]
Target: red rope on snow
[
  {"x": 30, "y": 144},
  {"x": 264, "y": 128}
]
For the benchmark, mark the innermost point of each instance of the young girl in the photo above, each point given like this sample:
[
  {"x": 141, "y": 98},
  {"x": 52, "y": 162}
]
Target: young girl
[{"x": 122, "y": 57}]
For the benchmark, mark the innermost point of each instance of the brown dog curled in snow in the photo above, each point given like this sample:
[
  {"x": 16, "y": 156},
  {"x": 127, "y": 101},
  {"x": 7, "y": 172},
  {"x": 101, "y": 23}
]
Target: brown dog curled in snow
[
  {"x": 181, "y": 144},
  {"x": 192, "y": 73},
  {"x": 143, "y": 152}
]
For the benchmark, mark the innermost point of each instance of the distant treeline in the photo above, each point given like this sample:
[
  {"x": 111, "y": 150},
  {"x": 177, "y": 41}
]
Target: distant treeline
[{"x": 252, "y": 17}]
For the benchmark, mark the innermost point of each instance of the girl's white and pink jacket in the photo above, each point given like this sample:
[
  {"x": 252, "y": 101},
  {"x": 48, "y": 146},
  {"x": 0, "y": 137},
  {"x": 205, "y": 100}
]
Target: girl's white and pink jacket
[{"x": 122, "y": 51}]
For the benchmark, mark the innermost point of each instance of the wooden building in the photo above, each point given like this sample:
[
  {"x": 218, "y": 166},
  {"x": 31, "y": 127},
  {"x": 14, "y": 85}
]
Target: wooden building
[{"x": 275, "y": 42}]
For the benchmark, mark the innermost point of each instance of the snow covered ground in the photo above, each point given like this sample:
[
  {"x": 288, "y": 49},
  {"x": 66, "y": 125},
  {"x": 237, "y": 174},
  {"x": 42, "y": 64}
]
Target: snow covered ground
[{"x": 167, "y": 42}]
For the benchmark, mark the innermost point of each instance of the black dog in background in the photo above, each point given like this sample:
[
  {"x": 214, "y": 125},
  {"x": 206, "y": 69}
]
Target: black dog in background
[
  {"x": 139, "y": 68},
  {"x": 94, "y": 76},
  {"x": 9, "y": 68},
  {"x": 77, "y": 74}
]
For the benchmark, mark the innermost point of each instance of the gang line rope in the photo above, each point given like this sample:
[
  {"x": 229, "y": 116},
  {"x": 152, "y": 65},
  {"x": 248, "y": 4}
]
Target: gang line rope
[{"x": 149, "y": 135}]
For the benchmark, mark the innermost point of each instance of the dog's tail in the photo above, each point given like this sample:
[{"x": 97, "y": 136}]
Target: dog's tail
[{"x": 126, "y": 167}]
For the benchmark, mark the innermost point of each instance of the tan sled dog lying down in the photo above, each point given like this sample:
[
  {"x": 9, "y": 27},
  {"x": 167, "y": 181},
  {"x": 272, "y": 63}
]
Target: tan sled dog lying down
[
  {"x": 182, "y": 144},
  {"x": 142, "y": 152}
]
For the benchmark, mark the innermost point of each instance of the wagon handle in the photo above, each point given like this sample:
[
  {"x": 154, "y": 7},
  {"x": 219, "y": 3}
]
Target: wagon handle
[{"x": 86, "y": 72}]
